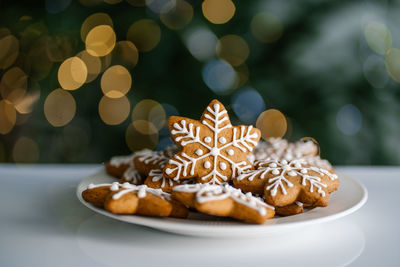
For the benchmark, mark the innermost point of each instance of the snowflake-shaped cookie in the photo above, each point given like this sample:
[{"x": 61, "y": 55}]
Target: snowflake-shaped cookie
[
  {"x": 212, "y": 150},
  {"x": 284, "y": 182}
]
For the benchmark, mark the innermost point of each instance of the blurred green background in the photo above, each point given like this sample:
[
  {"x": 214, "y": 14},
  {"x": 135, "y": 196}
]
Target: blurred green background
[{"x": 84, "y": 80}]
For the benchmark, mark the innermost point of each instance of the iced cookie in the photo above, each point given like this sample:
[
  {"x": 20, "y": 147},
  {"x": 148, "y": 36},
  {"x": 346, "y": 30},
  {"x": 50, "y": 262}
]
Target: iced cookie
[
  {"x": 211, "y": 149},
  {"x": 132, "y": 199},
  {"x": 118, "y": 165},
  {"x": 284, "y": 182},
  {"x": 132, "y": 176},
  {"x": 147, "y": 160},
  {"x": 156, "y": 179},
  {"x": 291, "y": 209},
  {"x": 225, "y": 201}
]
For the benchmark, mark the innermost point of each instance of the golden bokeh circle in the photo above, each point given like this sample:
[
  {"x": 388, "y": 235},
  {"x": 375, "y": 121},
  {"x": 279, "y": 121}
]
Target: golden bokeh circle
[
  {"x": 9, "y": 50},
  {"x": 116, "y": 81},
  {"x": 100, "y": 41},
  {"x": 272, "y": 123},
  {"x": 179, "y": 16},
  {"x": 145, "y": 34},
  {"x": 266, "y": 27},
  {"x": 126, "y": 53},
  {"x": 218, "y": 11},
  {"x": 59, "y": 108},
  {"x": 25, "y": 105},
  {"x": 8, "y": 116},
  {"x": 242, "y": 75},
  {"x": 150, "y": 111},
  {"x": 392, "y": 63},
  {"x": 233, "y": 49},
  {"x": 72, "y": 73},
  {"x": 94, "y": 20},
  {"x": 136, "y": 140},
  {"x": 378, "y": 37},
  {"x": 114, "y": 111},
  {"x": 13, "y": 84},
  {"x": 25, "y": 150},
  {"x": 93, "y": 65}
]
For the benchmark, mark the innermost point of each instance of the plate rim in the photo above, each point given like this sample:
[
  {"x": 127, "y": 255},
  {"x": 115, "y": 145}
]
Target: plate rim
[{"x": 190, "y": 227}]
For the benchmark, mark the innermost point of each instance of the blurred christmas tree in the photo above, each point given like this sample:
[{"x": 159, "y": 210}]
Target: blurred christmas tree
[{"x": 84, "y": 80}]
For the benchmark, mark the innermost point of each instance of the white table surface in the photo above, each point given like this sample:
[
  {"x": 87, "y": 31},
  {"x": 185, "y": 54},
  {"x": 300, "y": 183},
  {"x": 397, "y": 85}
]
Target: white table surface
[{"x": 43, "y": 224}]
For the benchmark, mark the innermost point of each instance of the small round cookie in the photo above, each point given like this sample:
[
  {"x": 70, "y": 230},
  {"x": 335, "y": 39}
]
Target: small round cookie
[
  {"x": 118, "y": 165},
  {"x": 292, "y": 209},
  {"x": 211, "y": 149},
  {"x": 132, "y": 199},
  {"x": 223, "y": 200},
  {"x": 147, "y": 160},
  {"x": 284, "y": 182}
]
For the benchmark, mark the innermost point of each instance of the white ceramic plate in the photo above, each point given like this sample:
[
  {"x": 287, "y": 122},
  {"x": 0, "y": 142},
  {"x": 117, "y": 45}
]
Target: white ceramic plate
[{"x": 350, "y": 197}]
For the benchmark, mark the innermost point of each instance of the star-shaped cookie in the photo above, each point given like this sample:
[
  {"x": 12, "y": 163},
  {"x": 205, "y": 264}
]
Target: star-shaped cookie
[{"x": 211, "y": 150}]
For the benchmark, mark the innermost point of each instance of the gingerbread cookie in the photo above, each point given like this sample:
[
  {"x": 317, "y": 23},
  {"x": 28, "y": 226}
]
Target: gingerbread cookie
[
  {"x": 118, "y": 165},
  {"x": 156, "y": 179},
  {"x": 132, "y": 176},
  {"x": 225, "y": 201},
  {"x": 132, "y": 199},
  {"x": 277, "y": 148},
  {"x": 291, "y": 209},
  {"x": 285, "y": 182},
  {"x": 147, "y": 160},
  {"x": 211, "y": 150}
]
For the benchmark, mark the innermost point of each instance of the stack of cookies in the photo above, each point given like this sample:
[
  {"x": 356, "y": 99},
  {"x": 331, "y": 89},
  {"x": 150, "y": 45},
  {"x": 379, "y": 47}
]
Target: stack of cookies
[{"x": 218, "y": 169}]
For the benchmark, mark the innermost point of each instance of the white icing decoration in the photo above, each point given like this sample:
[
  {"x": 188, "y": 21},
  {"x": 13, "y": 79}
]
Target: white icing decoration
[
  {"x": 230, "y": 152},
  {"x": 199, "y": 152},
  {"x": 222, "y": 166},
  {"x": 120, "y": 160},
  {"x": 207, "y": 164},
  {"x": 222, "y": 140},
  {"x": 157, "y": 175},
  {"x": 216, "y": 120},
  {"x": 207, "y": 192},
  {"x": 152, "y": 157},
  {"x": 132, "y": 175},
  {"x": 297, "y": 167},
  {"x": 298, "y": 203},
  {"x": 127, "y": 188}
]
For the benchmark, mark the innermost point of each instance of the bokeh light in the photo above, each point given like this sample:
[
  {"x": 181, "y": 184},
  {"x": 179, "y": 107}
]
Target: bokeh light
[
  {"x": 349, "y": 119},
  {"x": 218, "y": 11},
  {"x": 233, "y": 49},
  {"x": 13, "y": 85},
  {"x": 116, "y": 81},
  {"x": 160, "y": 6},
  {"x": 136, "y": 140},
  {"x": 242, "y": 75},
  {"x": 100, "y": 41},
  {"x": 219, "y": 76},
  {"x": 247, "y": 105},
  {"x": 179, "y": 16},
  {"x": 9, "y": 50},
  {"x": 25, "y": 105},
  {"x": 94, "y": 20},
  {"x": 378, "y": 37},
  {"x": 272, "y": 123},
  {"x": 114, "y": 111},
  {"x": 145, "y": 34},
  {"x": 8, "y": 116},
  {"x": 25, "y": 150},
  {"x": 151, "y": 116},
  {"x": 72, "y": 73},
  {"x": 105, "y": 62},
  {"x": 93, "y": 65},
  {"x": 59, "y": 108},
  {"x": 201, "y": 43},
  {"x": 126, "y": 54},
  {"x": 59, "y": 47},
  {"x": 374, "y": 71},
  {"x": 266, "y": 27},
  {"x": 392, "y": 63}
]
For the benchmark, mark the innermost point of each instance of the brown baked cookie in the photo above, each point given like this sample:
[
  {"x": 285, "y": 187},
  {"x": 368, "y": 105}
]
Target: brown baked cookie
[
  {"x": 147, "y": 160},
  {"x": 277, "y": 148},
  {"x": 285, "y": 182},
  {"x": 156, "y": 179},
  {"x": 211, "y": 149},
  {"x": 132, "y": 176},
  {"x": 132, "y": 199},
  {"x": 118, "y": 165},
  {"x": 291, "y": 209},
  {"x": 223, "y": 200}
]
